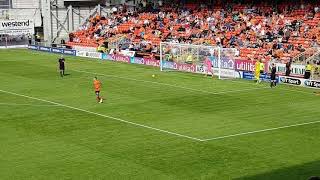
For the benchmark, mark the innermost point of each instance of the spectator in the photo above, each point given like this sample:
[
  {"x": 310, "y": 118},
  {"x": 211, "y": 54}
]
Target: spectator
[
  {"x": 256, "y": 29},
  {"x": 288, "y": 67},
  {"x": 300, "y": 48},
  {"x": 307, "y": 73},
  {"x": 144, "y": 4},
  {"x": 131, "y": 47},
  {"x": 29, "y": 39}
]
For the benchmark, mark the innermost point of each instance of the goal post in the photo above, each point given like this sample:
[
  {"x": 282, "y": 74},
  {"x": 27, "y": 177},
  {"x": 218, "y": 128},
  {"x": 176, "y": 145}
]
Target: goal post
[{"x": 198, "y": 59}]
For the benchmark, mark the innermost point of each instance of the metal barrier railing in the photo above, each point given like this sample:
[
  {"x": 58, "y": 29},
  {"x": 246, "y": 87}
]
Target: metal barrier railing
[
  {"x": 302, "y": 58},
  {"x": 49, "y": 44}
]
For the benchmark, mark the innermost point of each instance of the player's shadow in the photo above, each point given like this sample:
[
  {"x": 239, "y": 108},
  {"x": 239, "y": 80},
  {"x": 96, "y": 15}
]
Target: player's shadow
[
  {"x": 67, "y": 74},
  {"x": 298, "y": 172}
]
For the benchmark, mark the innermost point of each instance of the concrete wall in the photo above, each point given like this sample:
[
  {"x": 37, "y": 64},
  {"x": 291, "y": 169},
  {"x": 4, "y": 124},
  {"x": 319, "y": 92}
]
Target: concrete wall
[
  {"x": 33, "y": 4},
  {"x": 58, "y": 21}
]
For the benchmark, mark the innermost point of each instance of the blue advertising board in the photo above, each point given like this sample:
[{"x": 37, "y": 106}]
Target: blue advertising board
[
  {"x": 45, "y": 49},
  {"x": 33, "y": 47},
  {"x": 53, "y": 50},
  {"x": 107, "y": 57},
  {"x": 250, "y": 76},
  {"x": 57, "y": 50},
  {"x": 168, "y": 65},
  {"x": 226, "y": 63},
  {"x": 69, "y": 52},
  {"x": 136, "y": 60}
]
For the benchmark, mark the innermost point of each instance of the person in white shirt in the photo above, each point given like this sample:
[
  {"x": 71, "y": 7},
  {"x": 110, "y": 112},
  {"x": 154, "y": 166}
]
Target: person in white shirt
[
  {"x": 144, "y": 3},
  {"x": 114, "y": 9}
]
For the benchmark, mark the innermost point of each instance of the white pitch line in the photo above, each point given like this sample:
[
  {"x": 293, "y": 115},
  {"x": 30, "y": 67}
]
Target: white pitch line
[
  {"x": 172, "y": 85},
  {"x": 102, "y": 115},
  {"x": 35, "y": 105},
  {"x": 296, "y": 90},
  {"x": 259, "y": 131}
]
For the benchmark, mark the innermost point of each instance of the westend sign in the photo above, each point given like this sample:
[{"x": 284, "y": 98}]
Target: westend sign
[{"x": 16, "y": 27}]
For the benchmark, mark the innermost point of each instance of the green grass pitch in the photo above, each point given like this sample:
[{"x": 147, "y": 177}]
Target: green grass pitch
[{"x": 175, "y": 126}]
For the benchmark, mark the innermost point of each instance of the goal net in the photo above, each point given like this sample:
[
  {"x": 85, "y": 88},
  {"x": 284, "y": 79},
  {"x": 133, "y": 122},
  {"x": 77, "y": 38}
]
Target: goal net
[
  {"x": 13, "y": 41},
  {"x": 202, "y": 59}
]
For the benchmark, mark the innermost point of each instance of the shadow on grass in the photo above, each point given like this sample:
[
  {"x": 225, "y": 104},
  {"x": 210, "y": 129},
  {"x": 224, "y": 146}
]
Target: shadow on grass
[{"x": 299, "y": 172}]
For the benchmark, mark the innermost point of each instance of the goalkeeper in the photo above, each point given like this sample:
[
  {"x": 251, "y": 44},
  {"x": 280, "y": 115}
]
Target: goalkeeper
[{"x": 208, "y": 64}]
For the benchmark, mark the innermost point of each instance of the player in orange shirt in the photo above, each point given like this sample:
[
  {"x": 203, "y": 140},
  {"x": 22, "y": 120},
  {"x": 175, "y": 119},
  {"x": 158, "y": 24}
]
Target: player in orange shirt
[{"x": 97, "y": 88}]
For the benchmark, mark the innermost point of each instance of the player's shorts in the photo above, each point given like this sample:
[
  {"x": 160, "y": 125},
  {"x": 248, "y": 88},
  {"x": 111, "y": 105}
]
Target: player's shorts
[
  {"x": 97, "y": 93},
  {"x": 273, "y": 77},
  {"x": 257, "y": 75},
  {"x": 61, "y": 68}
]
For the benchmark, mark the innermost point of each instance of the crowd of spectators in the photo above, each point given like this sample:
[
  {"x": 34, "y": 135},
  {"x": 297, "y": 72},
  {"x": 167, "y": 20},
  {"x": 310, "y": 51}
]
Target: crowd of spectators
[{"x": 257, "y": 31}]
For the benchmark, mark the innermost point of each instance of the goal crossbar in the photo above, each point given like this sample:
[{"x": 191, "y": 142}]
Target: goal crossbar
[{"x": 210, "y": 60}]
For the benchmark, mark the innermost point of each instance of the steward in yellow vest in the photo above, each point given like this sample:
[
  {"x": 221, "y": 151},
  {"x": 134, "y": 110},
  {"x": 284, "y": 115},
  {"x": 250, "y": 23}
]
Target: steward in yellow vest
[{"x": 307, "y": 73}]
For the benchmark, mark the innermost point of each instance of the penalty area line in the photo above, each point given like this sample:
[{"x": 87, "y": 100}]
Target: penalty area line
[
  {"x": 102, "y": 115},
  {"x": 32, "y": 105},
  {"x": 260, "y": 131},
  {"x": 172, "y": 85}
]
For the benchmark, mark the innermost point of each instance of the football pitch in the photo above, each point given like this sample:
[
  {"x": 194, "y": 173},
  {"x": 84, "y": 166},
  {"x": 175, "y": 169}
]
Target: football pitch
[{"x": 172, "y": 126}]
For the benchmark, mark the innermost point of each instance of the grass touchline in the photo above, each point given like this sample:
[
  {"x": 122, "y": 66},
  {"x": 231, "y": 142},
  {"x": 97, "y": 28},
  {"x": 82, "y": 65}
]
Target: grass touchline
[
  {"x": 157, "y": 129},
  {"x": 102, "y": 115}
]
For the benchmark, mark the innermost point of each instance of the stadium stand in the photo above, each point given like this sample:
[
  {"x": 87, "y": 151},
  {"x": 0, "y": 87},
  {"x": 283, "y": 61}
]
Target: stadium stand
[{"x": 258, "y": 31}]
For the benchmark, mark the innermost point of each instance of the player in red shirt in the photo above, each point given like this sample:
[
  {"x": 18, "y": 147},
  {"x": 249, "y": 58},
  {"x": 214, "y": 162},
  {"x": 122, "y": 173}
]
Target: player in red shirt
[{"x": 97, "y": 87}]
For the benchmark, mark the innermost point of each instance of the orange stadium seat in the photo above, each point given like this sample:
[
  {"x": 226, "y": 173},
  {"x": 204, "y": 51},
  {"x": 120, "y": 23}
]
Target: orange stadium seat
[{"x": 228, "y": 28}]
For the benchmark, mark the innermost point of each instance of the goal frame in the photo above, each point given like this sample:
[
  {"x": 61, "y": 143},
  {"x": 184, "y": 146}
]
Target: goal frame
[{"x": 216, "y": 48}]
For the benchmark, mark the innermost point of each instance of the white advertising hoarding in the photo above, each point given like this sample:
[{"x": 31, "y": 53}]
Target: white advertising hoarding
[
  {"x": 16, "y": 27},
  {"x": 296, "y": 69},
  {"x": 300, "y": 82}
]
